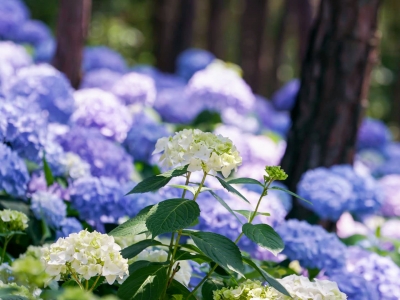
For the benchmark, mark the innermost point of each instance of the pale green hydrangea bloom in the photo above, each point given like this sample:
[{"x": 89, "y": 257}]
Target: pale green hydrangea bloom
[
  {"x": 86, "y": 255},
  {"x": 248, "y": 290},
  {"x": 12, "y": 220},
  {"x": 200, "y": 150},
  {"x": 18, "y": 290}
]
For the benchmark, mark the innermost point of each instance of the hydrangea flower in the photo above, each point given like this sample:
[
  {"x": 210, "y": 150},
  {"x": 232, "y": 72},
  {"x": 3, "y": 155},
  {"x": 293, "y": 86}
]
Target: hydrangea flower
[
  {"x": 32, "y": 32},
  {"x": 135, "y": 88},
  {"x": 192, "y": 60},
  {"x": 373, "y": 134},
  {"x": 68, "y": 226},
  {"x": 12, "y": 220},
  {"x": 45, "y": 51},
  {"x": 100, "y": 78},
  {"x": 105, "y": 157},
  {"x": 247, "y": 123},
  {"x": 143, "y": 136},
  {"x": 301, "y": 288},
  {"x": 38, "y": 183},
  {"x": 48, "y": 207},
  {"x": 247, "y": 290},
  {"x": 311, "y": 245},
  {"x": 132, "y": 204},
  {"x": 55, "y": 157},
  {"x": 73, "y": 254},
  {"x": 75, "y": 166},
  {"x": 200, "y": 150},
  {"x": 14, "y": 175},
  {"x": 101, "y": 110},
  {"x": 103, "y": 58},
  {"x": 12, "y": 14},
  {"x": 285, "y": 97},
  {"x": 47, "y": 88}
]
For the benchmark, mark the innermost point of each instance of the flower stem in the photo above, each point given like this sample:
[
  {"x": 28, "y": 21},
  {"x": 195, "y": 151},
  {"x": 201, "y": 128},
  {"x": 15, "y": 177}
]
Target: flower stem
[
  {"x": 6, "y": 241},
  {"x": 75, "y": 278},
  {"x": 94, "y": 284}
]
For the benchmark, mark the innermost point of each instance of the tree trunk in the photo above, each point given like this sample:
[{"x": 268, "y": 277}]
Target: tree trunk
[
  {"x": 72, "y": 28},
  {"x": 304, "y": 16},
  {"x": 252, "y": 33},
  {"x": 334, "y": 86},
  {"x": 215, "y": 33}
]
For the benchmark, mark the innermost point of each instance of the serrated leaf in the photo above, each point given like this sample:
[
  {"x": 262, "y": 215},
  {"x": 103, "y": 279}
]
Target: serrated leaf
[
  {"x": 154, "y": 183},
  {"x": 170, "y": 215},
  {"x": 145, "y": 283},
  {"x": 231, "y": 189},
  {"x": 290, "y": 193},
  {"x": 223, "y": 203},
  {"x": 135, "y": 249},
  {"x": 177, "y": 288},
  {"x": 185, "y": 255},
  {"x": 133, "y": 226},
  {"x": 48, "y": 175},
  {"x": 209, "y": 286},
  {"x": 244, "y": 180},
  {"x": 249, "y": 213},
  {"x": 268, "y": 278},
  {"x": 265, "y": 236},
  {"x": 220, "y": 249}
]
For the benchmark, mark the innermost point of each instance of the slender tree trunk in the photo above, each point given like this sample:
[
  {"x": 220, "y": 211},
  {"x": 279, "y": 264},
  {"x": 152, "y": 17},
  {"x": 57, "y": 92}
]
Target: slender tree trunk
[
  {"x": 303, "y": 10},
  {"x": 216, "y": 22},
  {"x": 72, "y": 29},
  {"x": 334, "y": 87},
  {"x": 252, "y": 33}
]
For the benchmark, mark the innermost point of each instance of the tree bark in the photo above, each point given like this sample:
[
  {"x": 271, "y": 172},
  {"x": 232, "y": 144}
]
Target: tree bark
[
  {"x": 303, "y": 10},
  {"x": 72, "y": 29},
  {"x": 334, "y": 86},
  {"x": 252, "y": 33},
  {"x": 215, "y": 33}
]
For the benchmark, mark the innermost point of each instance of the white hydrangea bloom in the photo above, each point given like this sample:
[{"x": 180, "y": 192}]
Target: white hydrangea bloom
[
  {"x": 200, "y": 150},
  {"x": 76, "y": 167},
  {"x": 248, "y": 290},
  {"x": 301, "y": 288},
  {"x": 87, "y": 254},
  {"x": 185, "y": 270}
]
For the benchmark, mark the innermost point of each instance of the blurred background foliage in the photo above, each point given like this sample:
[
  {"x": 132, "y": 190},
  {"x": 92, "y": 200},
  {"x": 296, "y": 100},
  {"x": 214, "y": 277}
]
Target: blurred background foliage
[{"x": 126, "y": 26}]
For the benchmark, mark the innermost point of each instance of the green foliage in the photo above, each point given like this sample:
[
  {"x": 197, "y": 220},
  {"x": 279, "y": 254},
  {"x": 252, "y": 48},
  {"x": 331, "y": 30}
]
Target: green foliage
[
  {"x": 133, "y": 226},
  {"x": 265, "y": 236},
  {"x": 249, "y": 213},
  {"x": 135, "y": 249},
  {"x": 275, "y": 173},
  {"x": 231, "y": 189},
  {"x": 177, "y": 289},
  {"x": 290, "y": 193},
  {"x": 244, "y": 180},
  {"x": 209, "y": 287},
  {"x": 47, "y": 172},
  {"x": 223, "y": 203}
]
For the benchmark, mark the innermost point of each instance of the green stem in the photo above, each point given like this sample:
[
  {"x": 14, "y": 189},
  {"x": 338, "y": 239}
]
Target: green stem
[
  {"x": 75, "y": 278},
  {"x": 6, "y": 241},
  {"x": 94, "y": 284}
]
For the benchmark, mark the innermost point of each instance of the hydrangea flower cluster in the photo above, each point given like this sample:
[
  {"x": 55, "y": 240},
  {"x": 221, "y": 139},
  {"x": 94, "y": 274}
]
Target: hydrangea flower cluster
[
  {"x": 311, "y": 245},
  {"x": 373, "y": 134},
  {"x": 68, "y": 226},
  {"x": 86, "y": 255},
  {"x": 200, "y": 150},
  {"x": 247, "y": 290},
  {"x": 192, "y": 60},
  {"x": 75, "y": 167},
  {"x": 100, "y": 78},
  {"x": 285, "y": 97},
  {"x": 101, "y": 110},
  {"x": 391, "y": 193},
  {"x": 103, "y": 58},
  {"x": 49, "y": 207},
  {"x": 12, "y": 220},
  {"x": 12, "y": 14}
]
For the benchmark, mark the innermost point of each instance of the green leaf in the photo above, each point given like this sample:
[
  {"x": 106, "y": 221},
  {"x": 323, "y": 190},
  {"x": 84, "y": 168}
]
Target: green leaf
[
  {"x": 191, "y": 189},
  {"x": 46, "y": 233},
  {"x": 265, "y": 236},
  {"x": 268, "y": 278},
  {"x": 135, "y": 249},
  {"x": 249, "y": 213},
  {"x": 171, "y": 215},
  {"x": 133, "y": 226},
  {"x": 177, "y": 288},
  {"x": 231, "y": 188},
  {"x": 220, "y": 249},
  {"x": 47, "y": 171},
  {"x": 209, "y": 286},
  {"x": 244, "y": 180},
  {"x": 185, "y": 255},
  {"x": 145, "y": 283},
  {"x": 290, "y": 193},
  {"x": 312, "y": 273},
  {"x": 154, "y": 183},
  {"x": 138, "y": 265},
  {"x": 223, "y": 203}
]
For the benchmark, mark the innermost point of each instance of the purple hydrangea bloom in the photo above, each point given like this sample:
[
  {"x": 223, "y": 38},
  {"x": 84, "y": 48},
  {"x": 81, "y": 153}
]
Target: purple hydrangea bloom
[
  {"x": 55, "y": 157},
  {"x": 46, "y": 87},
  {"x": 102, "y": 110},
  {"x": 68, "y": 226},
  {"x": 14, "y": 175},
  {"x": 311, "y": 245},
  {"x": 135, "y": 88},
  {"x": 100, "y": 78},
  {"x": 269, "y": 118},
  {"x": 103, "y": 58},
  {"x": 217, "y": 88},
  {"x": 390, "y": 185},
  {"x": 370, "y": 158},
  {"x": 373, "y": 134},
  {"x": 49, "y": 207},
  {"x": 392, "y": 151},
  {"x": 389, "y": 167},
  {"x": 45, "y": 51},
  {"x": 104, "y": 156},
  {"x": 32, "y": 32},
  {"x": 38, "y": 183},
  {"x": 192, "y": 60},
  {"x": 285, "y": 97},
  {"x": 143, "y": 136},
  {"x": 377, "y": 270},
  {"x": 162, "y": 80},
  {"x": 12, "y": 14}
]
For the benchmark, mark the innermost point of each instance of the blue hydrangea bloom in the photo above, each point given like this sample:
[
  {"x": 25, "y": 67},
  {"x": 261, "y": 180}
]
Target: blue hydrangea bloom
[
  {"x": 45, "y": 51},
  {"x": 392, "y": 151},
  {"x": 102, "y": 110},
  {"x": 14, "y": 175},
  {"x": 32, "y": 32},
  {"x": 100, "y": 78},
  {"x": 135, "y": 88},
  {"x": 55, "y": 157},
  {"x": 162, "y": 80},
  {"x": 391, "y": 195},
  {"x": 97, "y": 199},
  {"x": 49, "y": 207},
  {"x": 192, "y": 60},
  {"x": 311, "y": 245},
  {"x": 12, "y": 14},
  {"x": 285, "y": 97},
  {"x": 46, "y": 87},
  {"x": 104, "y": 156},
  {"x": 373, "y": 134},
  {"x": 142, "y": 137},
  {"x": 38, "y": 183},
  {"x": 102, "y": 57},
  {"x": 68, "y": 226}
]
